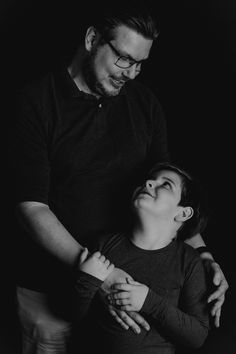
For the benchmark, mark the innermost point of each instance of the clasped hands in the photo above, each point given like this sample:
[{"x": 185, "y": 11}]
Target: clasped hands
[
  {"x": 126, "y": 296},
  {"x": 98, "y": 266}
]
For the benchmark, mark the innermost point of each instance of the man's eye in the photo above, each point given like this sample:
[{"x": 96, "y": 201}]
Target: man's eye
[{"x": 126, "y": 60}]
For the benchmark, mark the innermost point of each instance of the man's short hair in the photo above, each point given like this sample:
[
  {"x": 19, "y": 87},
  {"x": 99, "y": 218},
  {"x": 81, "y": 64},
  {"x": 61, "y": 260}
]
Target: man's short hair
[
  {"x": 194, "y": 195},
  {"x": 132, "y": 15}
]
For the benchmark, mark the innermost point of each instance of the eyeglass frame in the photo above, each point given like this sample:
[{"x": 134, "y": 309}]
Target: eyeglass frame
[{"x": 137, "y": 62}]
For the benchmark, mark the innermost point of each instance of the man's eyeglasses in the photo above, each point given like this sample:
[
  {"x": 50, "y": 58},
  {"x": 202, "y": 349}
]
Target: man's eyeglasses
[{"x": 124, "y": 62}]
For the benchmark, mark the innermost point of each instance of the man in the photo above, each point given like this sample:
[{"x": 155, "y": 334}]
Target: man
[{"x": 83, "y": 133}]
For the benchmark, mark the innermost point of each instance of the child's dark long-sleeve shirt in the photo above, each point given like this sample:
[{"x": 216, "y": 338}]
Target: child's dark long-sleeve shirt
[{"x": 175, "y": 306}]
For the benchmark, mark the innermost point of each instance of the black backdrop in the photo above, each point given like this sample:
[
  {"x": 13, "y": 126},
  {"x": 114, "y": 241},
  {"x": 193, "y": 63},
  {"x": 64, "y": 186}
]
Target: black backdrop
[{"x": 191, "y": 70}]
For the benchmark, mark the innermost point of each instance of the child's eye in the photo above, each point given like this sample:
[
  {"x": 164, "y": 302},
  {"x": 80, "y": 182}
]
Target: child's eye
[{"x": 167, "y": 185}]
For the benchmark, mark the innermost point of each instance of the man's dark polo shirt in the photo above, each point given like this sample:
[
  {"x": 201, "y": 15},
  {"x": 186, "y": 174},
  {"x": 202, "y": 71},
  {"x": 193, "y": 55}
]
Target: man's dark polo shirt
[{"x": 82, "y": 156}]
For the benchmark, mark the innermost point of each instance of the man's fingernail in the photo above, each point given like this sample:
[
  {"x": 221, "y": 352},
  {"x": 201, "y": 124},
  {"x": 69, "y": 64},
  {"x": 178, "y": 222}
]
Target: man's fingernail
[{"x": 137, "y": 330}]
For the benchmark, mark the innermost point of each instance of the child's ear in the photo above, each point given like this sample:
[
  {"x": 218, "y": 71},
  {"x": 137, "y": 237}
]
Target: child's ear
[
  {"x": 184, "y": 214},
  {"x": 91, "y": 38}
]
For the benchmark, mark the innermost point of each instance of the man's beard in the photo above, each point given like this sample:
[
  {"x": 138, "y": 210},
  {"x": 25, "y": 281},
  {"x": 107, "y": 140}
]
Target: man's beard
[{"x": 91, "y": 79}]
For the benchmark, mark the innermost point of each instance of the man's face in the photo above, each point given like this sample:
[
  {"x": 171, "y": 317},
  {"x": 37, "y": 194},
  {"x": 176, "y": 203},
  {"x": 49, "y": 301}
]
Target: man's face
[
  {"x": 160, "y": 195},
  {"x": 101, "y": 73}
]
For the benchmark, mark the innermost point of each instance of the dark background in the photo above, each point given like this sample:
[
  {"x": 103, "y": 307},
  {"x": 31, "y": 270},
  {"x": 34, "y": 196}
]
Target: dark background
[{"x": 192, "y": 72}]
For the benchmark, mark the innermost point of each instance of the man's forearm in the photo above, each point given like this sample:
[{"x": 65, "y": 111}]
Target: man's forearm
[
  {"x": 198, "y": 242},
  {"x": 44, "y": 227},
  {"x": 195, "y": 241}
]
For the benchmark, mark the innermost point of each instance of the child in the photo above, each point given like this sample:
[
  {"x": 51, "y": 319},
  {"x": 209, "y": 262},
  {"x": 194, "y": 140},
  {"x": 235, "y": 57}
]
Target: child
[{"x": 169, "y": 288}]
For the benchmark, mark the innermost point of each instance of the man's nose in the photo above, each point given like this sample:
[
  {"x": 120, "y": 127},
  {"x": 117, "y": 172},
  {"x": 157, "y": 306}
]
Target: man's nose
[{"x": 131, "y": 72}]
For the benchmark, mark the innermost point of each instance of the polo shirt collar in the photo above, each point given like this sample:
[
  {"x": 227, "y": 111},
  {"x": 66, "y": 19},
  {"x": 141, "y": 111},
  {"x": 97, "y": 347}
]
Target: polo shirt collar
[{"x": 70, "y": 89}]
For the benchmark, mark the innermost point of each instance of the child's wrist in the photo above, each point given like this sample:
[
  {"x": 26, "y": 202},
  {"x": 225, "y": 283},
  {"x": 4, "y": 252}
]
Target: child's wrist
[{"x": 86, "y": 278}]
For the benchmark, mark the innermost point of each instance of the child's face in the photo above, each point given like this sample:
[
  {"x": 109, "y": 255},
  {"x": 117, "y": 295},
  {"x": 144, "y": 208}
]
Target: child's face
[{"x": 160, "y": 195}]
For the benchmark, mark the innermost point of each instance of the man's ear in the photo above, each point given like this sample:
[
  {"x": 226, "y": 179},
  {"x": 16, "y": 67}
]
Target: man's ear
[
  {"x": 91, "y": 38},
  {"x": 184, "y": 214}
]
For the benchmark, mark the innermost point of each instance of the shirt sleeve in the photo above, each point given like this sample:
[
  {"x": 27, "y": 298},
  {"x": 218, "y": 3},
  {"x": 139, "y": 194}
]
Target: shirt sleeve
[
  {"x": 86, "y": 287},
  {"x": 29, "y": 151},
  {"x": 187, "y": 324}
]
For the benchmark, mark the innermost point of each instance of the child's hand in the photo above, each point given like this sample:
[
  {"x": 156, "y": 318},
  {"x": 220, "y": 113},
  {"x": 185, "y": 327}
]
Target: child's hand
[
  {"x": 128, "y": 296},
  {"x": 96, "y": 264}
]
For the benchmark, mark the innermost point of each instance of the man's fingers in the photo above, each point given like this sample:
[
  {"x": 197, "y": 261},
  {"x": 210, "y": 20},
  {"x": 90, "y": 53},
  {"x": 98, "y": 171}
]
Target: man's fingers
[
  {"x": 218, "y": 294},
  {"x": 117, "y": 318},
  {"x": 218, "y": 304},
  {"x": 124, "y": 320},
  {"x": 128, "y": 320},
  {"x": 217, "y": 273},
  {"x": 217, "y": 317},
  {"x": 216, "y": 310},
  {"x": 139, "y": 320},
  {"x": 219, "y": 278}
]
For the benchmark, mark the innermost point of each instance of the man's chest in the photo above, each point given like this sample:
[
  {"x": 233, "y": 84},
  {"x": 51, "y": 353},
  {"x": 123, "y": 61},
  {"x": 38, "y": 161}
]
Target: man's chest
[{"x": 90, "y": 137}]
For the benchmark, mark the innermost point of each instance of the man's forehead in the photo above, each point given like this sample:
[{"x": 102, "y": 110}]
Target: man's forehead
[{"x": 131, "y": 42}]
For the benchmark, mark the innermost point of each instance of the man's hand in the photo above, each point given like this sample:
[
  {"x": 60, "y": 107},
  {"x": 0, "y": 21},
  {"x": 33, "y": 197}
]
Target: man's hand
[
  {"x": 132, "y": 320},
  {"x": 128, "y": 296},
  {"x": 96, "y": 264},
  {"x": 218, "y": 296}
]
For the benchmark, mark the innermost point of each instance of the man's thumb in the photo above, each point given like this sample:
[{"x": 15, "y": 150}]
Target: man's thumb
[{"x": 83, "y": 255}]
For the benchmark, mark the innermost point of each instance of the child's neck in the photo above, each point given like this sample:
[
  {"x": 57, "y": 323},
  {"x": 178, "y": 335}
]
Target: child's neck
[{"x": 152, "y": 237}]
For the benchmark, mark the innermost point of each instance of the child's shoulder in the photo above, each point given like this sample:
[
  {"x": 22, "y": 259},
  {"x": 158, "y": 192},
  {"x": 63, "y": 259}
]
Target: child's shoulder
[{"x": 189, "y": 253}]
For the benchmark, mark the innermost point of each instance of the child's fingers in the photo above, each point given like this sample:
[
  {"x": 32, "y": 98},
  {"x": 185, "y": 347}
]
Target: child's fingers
[
  {"x": 107, "y": 263},
  {"x": 132, "y": 282},
  {"x": 122, "y": 302},
  {"x": 96, "y": 254},
  {"x": 119, "y": 295},
  {"x": 121, "y": 287},
  {"x": 111, "y": 267},
  {"x": 102, "y": 258}
]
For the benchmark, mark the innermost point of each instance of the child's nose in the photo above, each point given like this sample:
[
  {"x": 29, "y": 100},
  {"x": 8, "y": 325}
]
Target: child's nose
[{"x": 149, "y": 184}]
